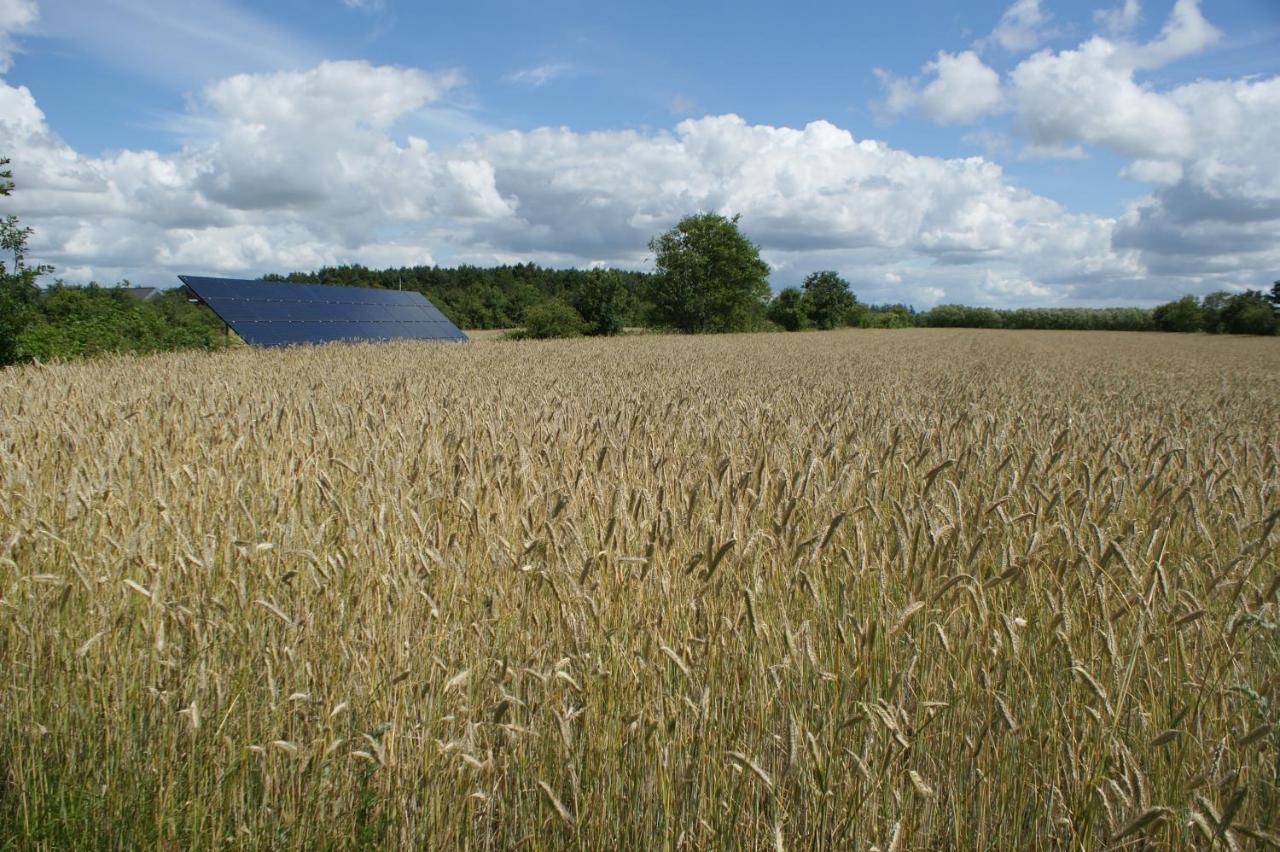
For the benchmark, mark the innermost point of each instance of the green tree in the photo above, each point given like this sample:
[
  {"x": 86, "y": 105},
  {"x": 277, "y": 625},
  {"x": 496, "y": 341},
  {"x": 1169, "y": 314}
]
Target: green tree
[
  {"x": 75, "y": 322},
  {"x": 1274, "y": 296},
  {"x": 603, "y": 301},
  {"x": 961, "y": 316},
  {"x": 789, "y": 309},
  {"x": 18, "y": 290},
  {"x": 829, "y": 299},
  {"x": 890, "y": 316},
  {"x": 1213, "y": 306},
  {"x": 551, "y": 318},
  {"x": 1182, "y": 315},
  {"x": 709, "y": 276},
  {"x": 1249, "y": 312},
  {"x": 859, "y": 316}
]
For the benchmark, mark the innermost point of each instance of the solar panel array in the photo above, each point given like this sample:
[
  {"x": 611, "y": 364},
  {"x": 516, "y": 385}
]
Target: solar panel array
[{"x": 270, "y": 313}]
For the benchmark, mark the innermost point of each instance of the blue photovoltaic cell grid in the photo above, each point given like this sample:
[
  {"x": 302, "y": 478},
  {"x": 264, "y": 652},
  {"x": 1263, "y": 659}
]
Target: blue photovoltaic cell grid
[{"x": 269, "y": 313}]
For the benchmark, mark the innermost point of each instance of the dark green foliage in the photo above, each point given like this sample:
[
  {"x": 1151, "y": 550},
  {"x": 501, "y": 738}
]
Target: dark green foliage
[
  {"x": 1249, "y": 313},
  {"x": 71, "y": 322},
  {"x": 17, "y": 297},
  {"x": 1274, "y": 296},
  {"x": 709, "y": 277},
  {"x": 1182, "y": 315},
  {"x": 1081, "y": 319},
  {"x": 859, "y": 316},
  {"x": 18, "y": 291},
  {"x": 603, "y": 301},
  {"x": 12, "y": 320},
  {"x": 829, "y": 299},
  {"x": 961, "y": 316},
  {"x": 476, "y": 297},
  {"x": 889, "y": 316},
  {"x": 789, "y": 310},
  {"x": 1213, "y": 305},
  {"x": 551, "y": 318}
]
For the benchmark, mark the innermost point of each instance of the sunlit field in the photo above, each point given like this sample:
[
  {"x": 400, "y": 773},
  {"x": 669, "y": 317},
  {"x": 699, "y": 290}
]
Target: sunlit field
[{"x": 913, "y": 589}]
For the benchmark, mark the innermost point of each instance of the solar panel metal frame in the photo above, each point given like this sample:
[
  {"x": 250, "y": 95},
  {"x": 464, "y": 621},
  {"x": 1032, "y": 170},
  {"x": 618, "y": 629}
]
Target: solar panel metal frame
[{"x": 271, "y": 313}]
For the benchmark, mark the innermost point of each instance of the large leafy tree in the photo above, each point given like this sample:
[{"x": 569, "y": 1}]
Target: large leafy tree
[
  {"x": 709, "y": 276},
  {"x": 829, "y": 299}
]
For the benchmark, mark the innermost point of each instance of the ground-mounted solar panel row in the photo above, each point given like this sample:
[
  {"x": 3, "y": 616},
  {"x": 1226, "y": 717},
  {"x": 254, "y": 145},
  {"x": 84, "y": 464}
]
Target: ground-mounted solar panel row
[{"x": 271, "y": 313}]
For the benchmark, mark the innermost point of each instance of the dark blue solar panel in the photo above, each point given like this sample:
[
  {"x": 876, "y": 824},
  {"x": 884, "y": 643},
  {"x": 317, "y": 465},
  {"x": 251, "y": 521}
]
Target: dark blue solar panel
[{"x": 270, "y": 313}]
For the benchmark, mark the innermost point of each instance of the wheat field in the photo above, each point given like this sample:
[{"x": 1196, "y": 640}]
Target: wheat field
[{"x": 910, "y": 589}]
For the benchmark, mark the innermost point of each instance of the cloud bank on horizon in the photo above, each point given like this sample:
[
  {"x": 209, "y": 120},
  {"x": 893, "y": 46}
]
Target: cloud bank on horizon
[{"x": 297, "y": 168}]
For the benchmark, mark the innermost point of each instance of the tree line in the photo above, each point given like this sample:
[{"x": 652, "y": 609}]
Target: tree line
[{"x": 708, "y": 277}]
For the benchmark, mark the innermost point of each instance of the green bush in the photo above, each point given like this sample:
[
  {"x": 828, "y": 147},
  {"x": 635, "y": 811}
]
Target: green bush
[
  {"x": 859, "y": 316},
  {"x": 74, "y": 322},
  {"x": 1084, "y": 319},
  {"x": 889, "y": 316},
  {"x": 1182, "y": 315},
  {"x": 1249, "y": 313},
  {"x": 789, "y": 310},
  {"x": 603, "y": 301},
  {"x": 961, "y": 316},
  {"x": 828, "y": 299},
  {"x": 551, "y": 318}
]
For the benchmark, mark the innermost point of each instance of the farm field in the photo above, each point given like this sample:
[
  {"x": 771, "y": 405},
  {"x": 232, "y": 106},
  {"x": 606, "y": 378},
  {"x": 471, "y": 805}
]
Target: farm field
[{"x": 911, "y": 589}]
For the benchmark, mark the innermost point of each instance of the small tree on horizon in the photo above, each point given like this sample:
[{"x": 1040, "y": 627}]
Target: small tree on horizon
[
  {"x": 1249, "y": 312},
  {"x": 828, "y": 298},
  {"x": 551, "y": 318},
  {"x": 1183, "y": 315},
  {"x": 789, "y": 310},
  {"x": 603, "y": 301},
  {"x": 709, "y": 276}
]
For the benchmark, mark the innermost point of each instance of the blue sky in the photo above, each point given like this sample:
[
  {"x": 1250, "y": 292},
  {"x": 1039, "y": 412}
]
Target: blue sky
[{"x": 1026, "y": 152}]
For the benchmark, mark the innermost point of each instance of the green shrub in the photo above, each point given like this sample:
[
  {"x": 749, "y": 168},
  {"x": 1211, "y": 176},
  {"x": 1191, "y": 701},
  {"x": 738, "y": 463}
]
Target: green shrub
[
  {"x": 789, "y": 310},
  {"x": 1249, "y": 313},
  {"x": 961, "y": 316},
  {"x": 603, "y": 301},
  {"x": 551, "y": 318},
  {"x": 889, "y": 316},
  {"x": 859, "y": 316},
  {"x": 1182, "y": 315},
  {"x": 828, "y": 299}
]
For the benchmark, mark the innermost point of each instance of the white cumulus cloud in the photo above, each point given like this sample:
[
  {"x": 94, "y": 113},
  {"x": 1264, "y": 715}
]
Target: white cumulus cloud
[
  {"x": 15, "y": 16},
  {"x": 1022, "y": 27},
  {"x": 1184, "y": 34},
  {"x": 1121, "y": 19},
  {"x": 1089, "y": 95},
  {"x": 953, "y": 89}
]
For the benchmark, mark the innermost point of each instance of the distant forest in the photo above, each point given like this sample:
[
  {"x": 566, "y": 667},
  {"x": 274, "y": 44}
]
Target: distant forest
[{"x": 483, "y": 297}]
